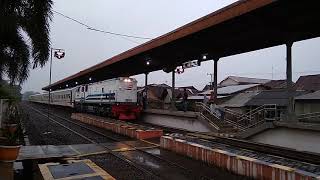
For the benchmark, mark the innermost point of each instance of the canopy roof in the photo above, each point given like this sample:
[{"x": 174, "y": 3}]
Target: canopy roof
[{"x": 244, "y": 26}]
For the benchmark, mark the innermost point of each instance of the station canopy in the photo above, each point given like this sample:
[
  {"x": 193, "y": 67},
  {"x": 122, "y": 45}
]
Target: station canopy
[{"x": 243, "y": 26}]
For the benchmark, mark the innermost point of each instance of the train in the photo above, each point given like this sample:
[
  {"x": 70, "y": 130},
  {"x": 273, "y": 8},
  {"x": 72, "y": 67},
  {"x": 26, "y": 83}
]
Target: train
[{"x": 115, "y": 98}]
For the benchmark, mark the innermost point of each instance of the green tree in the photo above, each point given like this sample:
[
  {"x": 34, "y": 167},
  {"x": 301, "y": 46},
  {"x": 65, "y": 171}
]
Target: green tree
[{"x": 24, "y": 33}]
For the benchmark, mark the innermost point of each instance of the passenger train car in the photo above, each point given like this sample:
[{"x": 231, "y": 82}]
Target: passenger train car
[{"x": 114, "y": 97}]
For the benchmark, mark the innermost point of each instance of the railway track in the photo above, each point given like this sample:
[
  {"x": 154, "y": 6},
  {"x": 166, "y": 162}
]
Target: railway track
[
  {"x": 275, "y": 151},
  {"x": 132, "y": 148},
  {"x": 303, "y": 156}
]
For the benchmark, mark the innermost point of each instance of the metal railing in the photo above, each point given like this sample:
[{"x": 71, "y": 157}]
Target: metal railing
[
  {"x": 215, "y": 119},
  {"x": 309, "y": 116},
  {"x": 237, "y": 120},
  {"x": 254, "y": 117}
]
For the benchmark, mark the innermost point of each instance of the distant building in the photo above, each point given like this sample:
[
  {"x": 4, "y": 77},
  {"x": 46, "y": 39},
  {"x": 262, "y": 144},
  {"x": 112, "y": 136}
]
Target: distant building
[
  {"x": 234, "y": 89},
  {"x": 275, "y": 97},
  {"x": 308, "y": 83},
  {"x": 236, "y": 80},
  {"x": 238, "y": 102},
  {"x": 206, "y": 87},
  {"x": 276, "y": 84},
  {"x": 155, "y": 94},
  {"x": 191, "y": 90},
  {"x": 227, "y": 92},
  {"x": 308, "y": 103}
]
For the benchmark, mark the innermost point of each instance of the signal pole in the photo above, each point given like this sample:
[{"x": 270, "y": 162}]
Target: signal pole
[
  {"x": 59, "y": 53},
  {"x": 211, "y": 80}
]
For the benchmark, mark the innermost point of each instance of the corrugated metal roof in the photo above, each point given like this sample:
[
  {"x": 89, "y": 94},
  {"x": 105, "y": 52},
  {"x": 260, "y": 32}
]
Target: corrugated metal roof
[
  {"x": 231, "y": 89},
  {"x": 310, "y": 96},
  {"x": 278, "y": 97},
  {"x": 276, "y": 84},
  {"x": 247, "y": 80},
  {"x": 202, "y": 97},
  {"x": 240, "y": 99}
]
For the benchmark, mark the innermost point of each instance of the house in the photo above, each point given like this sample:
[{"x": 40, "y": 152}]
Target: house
[
  {"x": 236, "y": 80},
  {"x": 272, "y": 97},
  {"x": 307, "y": 103},
  {"x": 227, "y": 92},
  {"x": 234, "y": 89},
  {"x": 238, "y": 102},
  {"x": 308, "y": 83},
  {"x": 206, "y": 87},
  {"x": 155, "y": 93},
  {"x": 191, "y": 90},
  {"x": 276, "y": 84}
]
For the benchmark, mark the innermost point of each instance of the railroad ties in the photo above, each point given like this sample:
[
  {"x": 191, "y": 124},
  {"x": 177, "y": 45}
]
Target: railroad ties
[
  {"x": 119, "y": 127},
  {"x": 240, "y": 160}
]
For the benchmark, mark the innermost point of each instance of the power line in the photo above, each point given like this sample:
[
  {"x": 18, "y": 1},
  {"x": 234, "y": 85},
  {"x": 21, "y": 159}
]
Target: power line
[{"x": 98, "y": 30}]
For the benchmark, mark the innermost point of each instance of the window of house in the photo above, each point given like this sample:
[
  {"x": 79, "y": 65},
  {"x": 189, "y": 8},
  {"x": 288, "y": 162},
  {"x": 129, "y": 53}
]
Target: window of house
[
  {"x": 86, "y": 88},
  {"x": 102, "y": 90}
]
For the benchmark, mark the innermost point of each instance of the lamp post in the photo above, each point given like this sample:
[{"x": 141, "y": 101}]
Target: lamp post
[{"x": 58, "y": 53}]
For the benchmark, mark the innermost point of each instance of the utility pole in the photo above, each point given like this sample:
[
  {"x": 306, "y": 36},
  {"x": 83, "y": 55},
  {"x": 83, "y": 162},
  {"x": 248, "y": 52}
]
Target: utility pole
[{"x": 211, "y": 80}]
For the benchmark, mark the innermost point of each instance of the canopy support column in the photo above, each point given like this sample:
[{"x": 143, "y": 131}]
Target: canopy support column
[
  {"x": 145, "y": 94},
  {"x": 215, "y": 86},
  {"x": 173, "y": 98},
  {"x": 290, "y": 114}
]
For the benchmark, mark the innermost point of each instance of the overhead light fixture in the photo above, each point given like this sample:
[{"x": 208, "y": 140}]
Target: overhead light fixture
[
  {"x": 204, "y": 56},
  {"x": 148, "y": 61},
  {"x": 76, "y": 83},
  {"x": 67, "y": 85},
  {"x": 90, "y": 78}
]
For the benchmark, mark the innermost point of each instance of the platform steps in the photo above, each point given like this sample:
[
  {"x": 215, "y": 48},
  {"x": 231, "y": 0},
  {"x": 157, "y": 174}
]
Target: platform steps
[
  {"x": 221, "y": 126},
  {"x": 234, "y": 122}
]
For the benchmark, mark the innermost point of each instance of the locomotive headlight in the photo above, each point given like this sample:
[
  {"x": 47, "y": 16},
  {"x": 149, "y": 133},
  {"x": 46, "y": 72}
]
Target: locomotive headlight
[{"x": 127, "y": 80}]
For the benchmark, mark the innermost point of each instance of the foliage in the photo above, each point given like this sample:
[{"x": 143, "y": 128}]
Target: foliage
[
  {"x": 9, "y": 138},
  {"x": 22, "y": 19},
  {"x": 11, "y": 120},
  {"x": 8, "y": 91},
  {"x": 12, "y": 114}
]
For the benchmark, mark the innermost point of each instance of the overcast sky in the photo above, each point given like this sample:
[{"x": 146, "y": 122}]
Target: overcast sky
[{"x": 85, "y": 48}]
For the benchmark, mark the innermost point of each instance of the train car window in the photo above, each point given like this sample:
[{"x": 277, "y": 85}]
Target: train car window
[
  {"x": 78, "y": 89},
  {"x": 82, "y": 89},
  {"x": 102, "y": 90},
  {"x": 86, "y": 88}
]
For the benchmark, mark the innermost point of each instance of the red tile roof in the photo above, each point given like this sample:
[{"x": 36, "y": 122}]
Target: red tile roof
[{"x": 309, "y": 83}]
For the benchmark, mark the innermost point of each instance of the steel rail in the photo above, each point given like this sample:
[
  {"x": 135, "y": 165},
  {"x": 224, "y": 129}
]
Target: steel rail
[{"x": 303, "y": 156}]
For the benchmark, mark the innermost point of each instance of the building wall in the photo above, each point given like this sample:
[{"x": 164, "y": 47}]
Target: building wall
[{"x": 303, "y": 107}]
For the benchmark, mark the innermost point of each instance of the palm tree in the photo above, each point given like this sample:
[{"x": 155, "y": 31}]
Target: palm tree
[{"x": 24, "y": 33}]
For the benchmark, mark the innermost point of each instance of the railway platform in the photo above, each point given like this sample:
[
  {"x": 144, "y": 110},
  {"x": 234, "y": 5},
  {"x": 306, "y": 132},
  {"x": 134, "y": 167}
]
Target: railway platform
[
  {"x": 121, "y": 156},
  {"x": 120, "y": 127},
  {"x": 257, "y": 164},
  {"x": 73, "y": 170},
  {"x": 43, "y": 152}
]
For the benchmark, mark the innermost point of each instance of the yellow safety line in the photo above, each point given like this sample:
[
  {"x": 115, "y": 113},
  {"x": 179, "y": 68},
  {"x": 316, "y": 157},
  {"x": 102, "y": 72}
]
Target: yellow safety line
[
  {"x": 150, "y": 142},
  {"x": 117, "y": 150},
  {"x": 94, "y": 153},
  {"x": 70, "y": 146}
]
